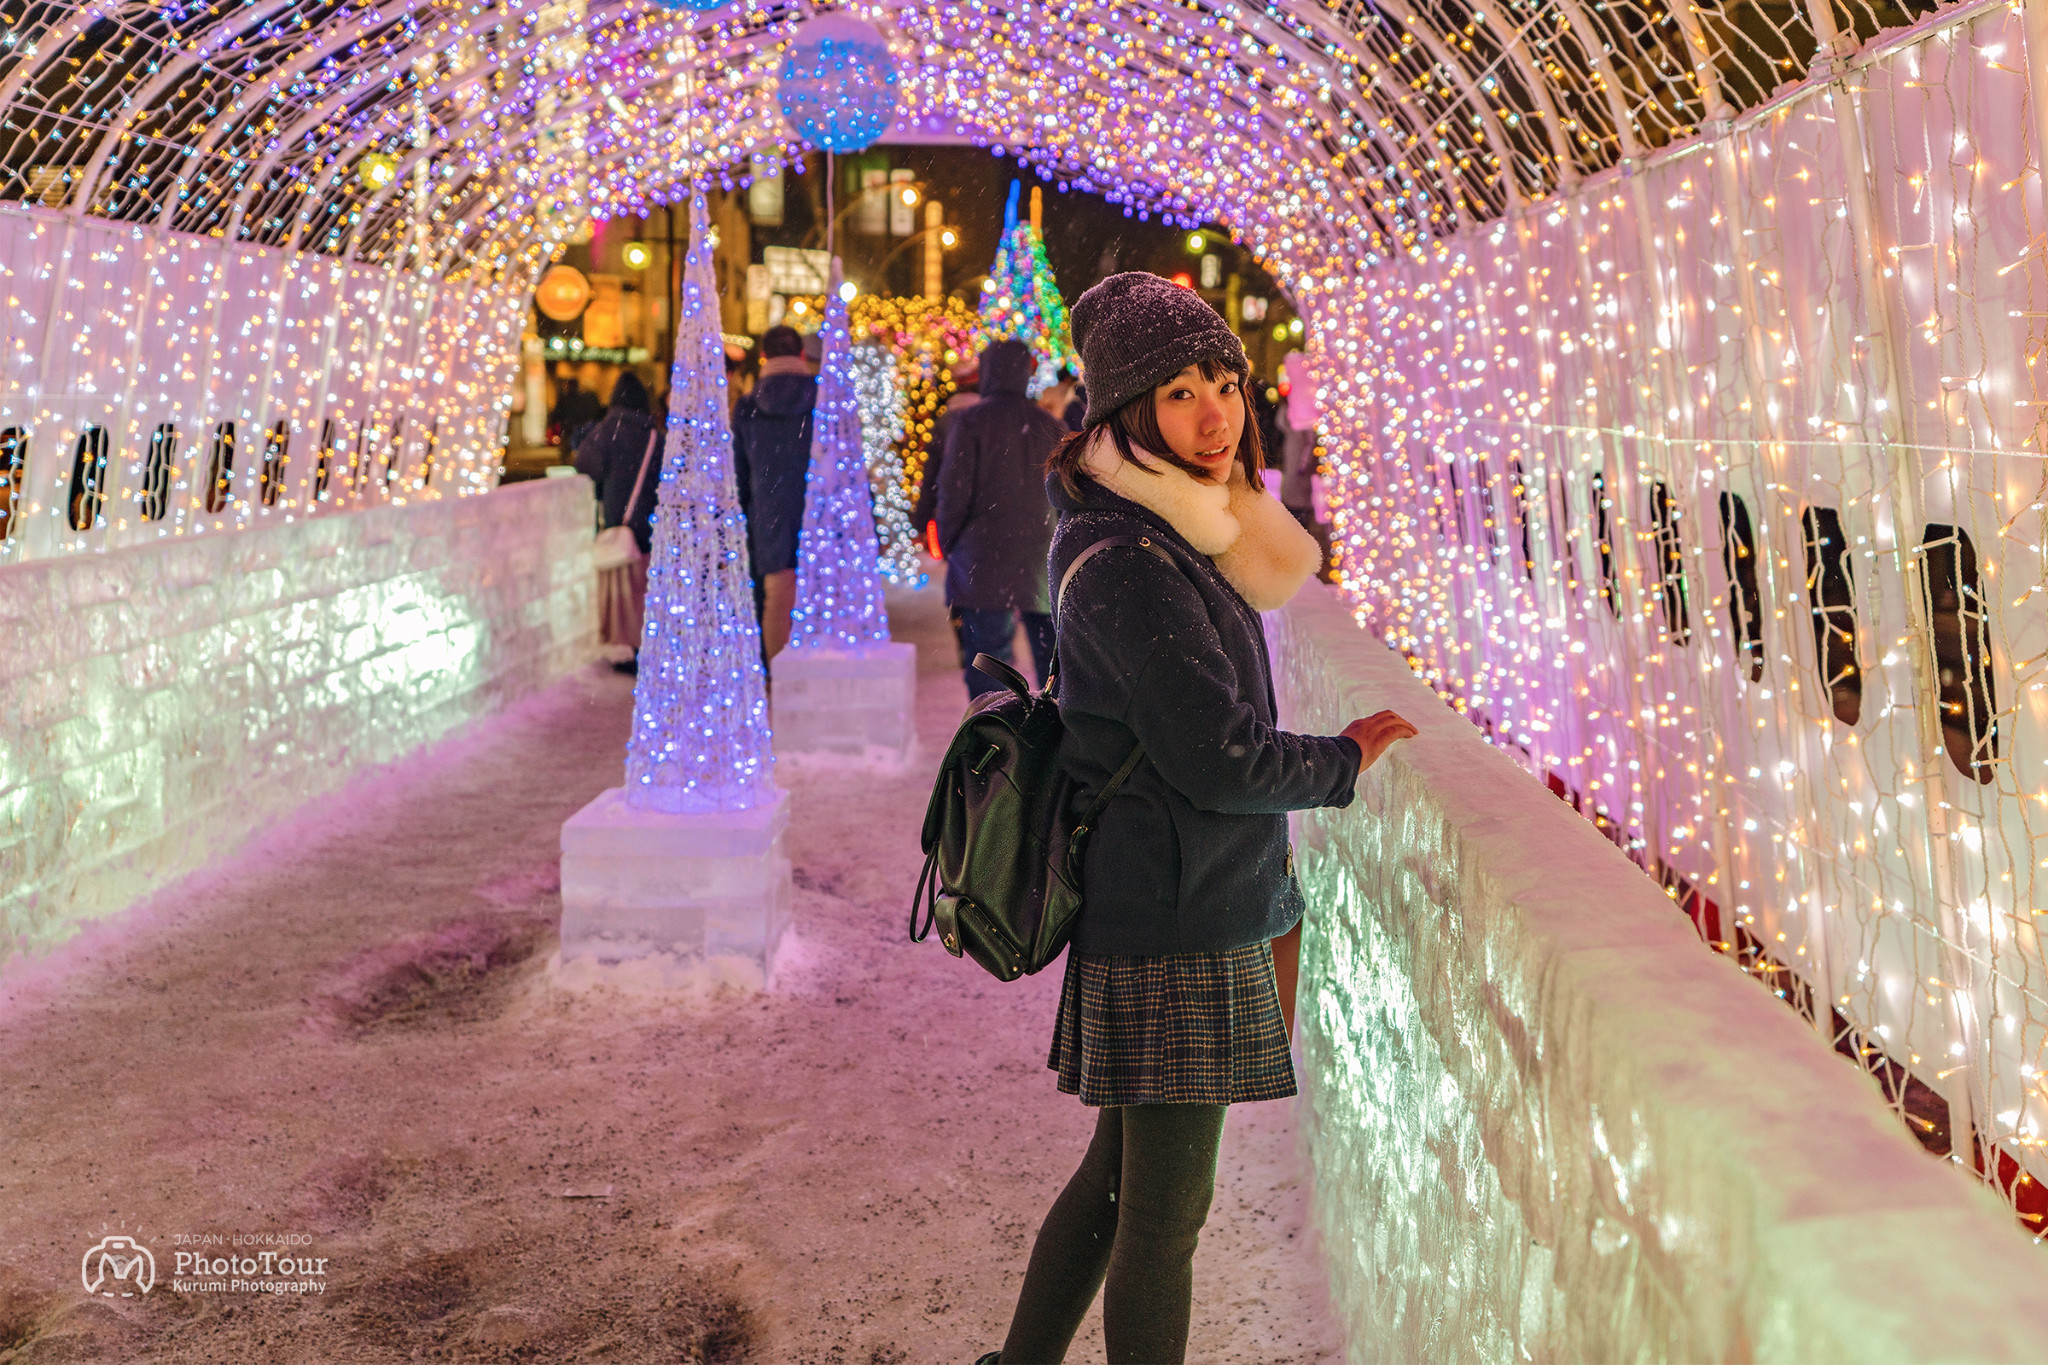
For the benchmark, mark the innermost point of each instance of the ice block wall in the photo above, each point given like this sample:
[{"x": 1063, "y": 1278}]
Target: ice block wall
[
  {"x": 1547, "y": 1123},
  {"x": 164, "y": 700}
]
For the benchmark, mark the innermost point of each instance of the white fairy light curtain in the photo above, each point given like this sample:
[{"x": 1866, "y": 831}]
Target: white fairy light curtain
[
  {"x": 1717, "y": 493},
  {"x": 1677, "y": 384},
  {"x": 217, "y": 387}
]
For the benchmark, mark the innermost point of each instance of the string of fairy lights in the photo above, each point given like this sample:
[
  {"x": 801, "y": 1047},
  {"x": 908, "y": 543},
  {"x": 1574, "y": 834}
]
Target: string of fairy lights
[
  {"x": 1716, "y": 494},
  {"x": 922, "y": 338},
  {"x": 1560, "y": 369}
]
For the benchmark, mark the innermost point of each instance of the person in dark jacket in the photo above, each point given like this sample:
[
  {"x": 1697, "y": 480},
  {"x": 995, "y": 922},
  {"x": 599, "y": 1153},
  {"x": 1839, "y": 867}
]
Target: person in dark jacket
[
  {"x": 995, "y": 524},
  {"x": 610, "y": 456},
  {"x": 771, "y": 435},
  {"x": 1170, "y": 1011},
  {"x": 966, "y": 393},
  {"x": 576, "y": 411}
]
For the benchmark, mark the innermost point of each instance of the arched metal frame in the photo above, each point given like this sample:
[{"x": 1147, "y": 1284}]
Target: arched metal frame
[{"x": 1410, "y": 119}]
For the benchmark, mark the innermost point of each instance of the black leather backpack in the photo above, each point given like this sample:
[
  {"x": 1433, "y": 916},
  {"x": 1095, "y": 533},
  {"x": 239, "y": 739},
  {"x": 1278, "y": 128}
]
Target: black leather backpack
[{"x": 1003, "y": 847}]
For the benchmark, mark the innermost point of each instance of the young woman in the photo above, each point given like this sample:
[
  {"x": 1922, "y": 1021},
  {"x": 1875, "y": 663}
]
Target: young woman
[{"x": 1170, "y": 1011}]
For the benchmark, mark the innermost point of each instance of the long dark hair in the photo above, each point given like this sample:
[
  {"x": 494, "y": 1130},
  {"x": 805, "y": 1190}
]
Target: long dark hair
[{"x": 1136, "y": 424}]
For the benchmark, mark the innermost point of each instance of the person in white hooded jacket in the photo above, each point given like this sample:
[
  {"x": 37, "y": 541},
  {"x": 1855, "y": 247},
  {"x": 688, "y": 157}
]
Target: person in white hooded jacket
[{"x": 1170, "y": 1010}]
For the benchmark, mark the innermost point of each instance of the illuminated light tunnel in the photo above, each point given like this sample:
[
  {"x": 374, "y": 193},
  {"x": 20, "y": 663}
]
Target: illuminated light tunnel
[{"x": 1676, "y": 369}]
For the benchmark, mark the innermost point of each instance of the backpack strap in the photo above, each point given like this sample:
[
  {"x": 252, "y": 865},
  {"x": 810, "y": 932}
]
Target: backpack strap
[
  {"x": 1109, "y": 789},
  {"x": 1142, "y": 542},
  {"x": 646, "y": 459},
  {"x": 1130, "y": 763},
  {"x": 1052, "y": 667}
]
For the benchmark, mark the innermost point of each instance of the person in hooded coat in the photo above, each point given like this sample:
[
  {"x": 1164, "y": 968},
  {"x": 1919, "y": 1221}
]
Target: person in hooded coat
[
  {"x": 995, "y": 524},
  {"x": 966, "y": 393},
  {"x": 771, "y": 435},
  {"x": 1167, "y": 549}
]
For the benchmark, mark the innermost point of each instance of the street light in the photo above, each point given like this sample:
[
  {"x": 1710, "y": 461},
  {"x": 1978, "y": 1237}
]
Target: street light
[
  {"x": 911, "y": 194},
  {"x": 1197, "y": 244},
  {"x": 949, "y": 238},
  {"x": 637, "y": 255}
]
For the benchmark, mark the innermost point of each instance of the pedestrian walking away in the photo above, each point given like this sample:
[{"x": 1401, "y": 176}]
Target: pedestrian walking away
[
  {"x": 771, "y": 434},
  {"x": 612, "y": 455},
  {"x": 995, "y": 524},
  {"x": 966, "y": 393},
  {"x": 1170, "y": 1011}
]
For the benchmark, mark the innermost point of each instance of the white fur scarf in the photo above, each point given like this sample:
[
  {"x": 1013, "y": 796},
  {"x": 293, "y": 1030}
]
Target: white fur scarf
[{"x": 1257, "y": 545}]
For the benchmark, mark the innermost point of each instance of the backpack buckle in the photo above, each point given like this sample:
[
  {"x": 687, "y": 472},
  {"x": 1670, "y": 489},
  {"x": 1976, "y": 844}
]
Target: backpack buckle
[{"x": 946, "y": 914}]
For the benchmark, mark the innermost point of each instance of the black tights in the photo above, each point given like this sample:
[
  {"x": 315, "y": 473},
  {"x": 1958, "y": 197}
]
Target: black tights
[{"x": 1131, "y": 1215}]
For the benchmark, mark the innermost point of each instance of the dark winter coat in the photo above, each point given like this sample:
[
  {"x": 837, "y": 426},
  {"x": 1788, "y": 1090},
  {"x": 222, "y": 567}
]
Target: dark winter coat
[
  {"x": 609, "y": 456},
  {"x": 995, "y": 525},
  {"x": 926, "y": 508},
  {"x": 1192, "y": 854},
  {"x": 574, "y": 416},
  {"x": 771, "y": 433}
]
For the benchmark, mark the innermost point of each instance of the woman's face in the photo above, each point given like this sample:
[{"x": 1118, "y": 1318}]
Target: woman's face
[{"x": 1201, "y": 419}]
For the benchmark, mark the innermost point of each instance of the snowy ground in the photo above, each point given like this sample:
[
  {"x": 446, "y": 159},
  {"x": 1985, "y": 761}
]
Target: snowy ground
[{"x": 346, "y": 1035}]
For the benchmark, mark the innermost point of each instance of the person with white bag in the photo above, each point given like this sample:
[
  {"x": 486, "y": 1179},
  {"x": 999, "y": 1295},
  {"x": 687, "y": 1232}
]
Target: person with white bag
[{"x": 620, "y": 456}]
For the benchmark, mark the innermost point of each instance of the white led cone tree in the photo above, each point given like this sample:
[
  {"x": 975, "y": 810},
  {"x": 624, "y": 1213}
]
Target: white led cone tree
[
  {"x": 842, "y": 684},
  {"x": 838, "y": 570},
  {"x": 700, "y": 737}
]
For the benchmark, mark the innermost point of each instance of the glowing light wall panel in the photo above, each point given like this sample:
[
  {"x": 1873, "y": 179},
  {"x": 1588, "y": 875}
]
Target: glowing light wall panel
[
  {"x": 1545, "y": 1125},
  {"x": 120, "y": 327},
  {"x": 1506, "y": 405},
  {"x": 165, "y": 700}
]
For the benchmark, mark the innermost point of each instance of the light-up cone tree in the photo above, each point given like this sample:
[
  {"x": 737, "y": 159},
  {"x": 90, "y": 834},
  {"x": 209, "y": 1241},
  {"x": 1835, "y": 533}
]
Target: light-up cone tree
[
  {"x": 700, "y": 739},
  {"x": 1023, "y": 301},
  {"x": 838, "y": 572}
]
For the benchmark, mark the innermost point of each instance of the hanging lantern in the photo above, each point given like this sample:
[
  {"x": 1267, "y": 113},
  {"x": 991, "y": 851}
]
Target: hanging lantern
[
  {"x": 563, "y": 293},
  {"x": 838, "y": 86}
]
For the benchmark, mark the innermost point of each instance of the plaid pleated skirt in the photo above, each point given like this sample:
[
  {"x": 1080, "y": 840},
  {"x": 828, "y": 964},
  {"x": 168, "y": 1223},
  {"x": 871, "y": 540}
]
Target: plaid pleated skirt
[{"x": 1188, "y": 1028}]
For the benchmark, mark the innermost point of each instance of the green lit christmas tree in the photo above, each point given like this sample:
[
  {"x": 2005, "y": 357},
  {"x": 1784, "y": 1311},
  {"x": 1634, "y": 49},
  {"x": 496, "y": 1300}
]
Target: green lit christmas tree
[{"x": 1023, "y": 301}]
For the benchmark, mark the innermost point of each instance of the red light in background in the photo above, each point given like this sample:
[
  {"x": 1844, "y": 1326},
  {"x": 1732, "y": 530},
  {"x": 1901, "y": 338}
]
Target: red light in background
[
  {"x": 1184, "y": 280},
  {"x": 931, "y": 540},
  {"x": 1285, "y": 385}
]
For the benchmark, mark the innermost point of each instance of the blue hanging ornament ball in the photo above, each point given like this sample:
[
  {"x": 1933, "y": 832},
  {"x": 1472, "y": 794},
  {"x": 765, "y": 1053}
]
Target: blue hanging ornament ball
[{"x": 838, "y": 86}]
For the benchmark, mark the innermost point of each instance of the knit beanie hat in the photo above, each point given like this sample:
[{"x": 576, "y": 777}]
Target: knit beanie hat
[{"x": 1136, "y": 330}]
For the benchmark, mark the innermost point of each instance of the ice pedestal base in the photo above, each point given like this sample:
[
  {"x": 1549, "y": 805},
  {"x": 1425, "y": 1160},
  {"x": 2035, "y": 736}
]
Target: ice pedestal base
[
  {"x": 688, "y": 888},
  {"x": 845, "y": 700}
]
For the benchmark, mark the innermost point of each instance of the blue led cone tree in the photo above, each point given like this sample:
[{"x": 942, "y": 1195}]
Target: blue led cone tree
[
  {"x": 700, "y": 739},
  {"x": 838, "y": 568}
]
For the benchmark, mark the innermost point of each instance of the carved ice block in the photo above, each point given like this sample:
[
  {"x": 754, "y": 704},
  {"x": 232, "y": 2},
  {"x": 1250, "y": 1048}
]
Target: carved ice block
[
  {"x": 849, "y": 700},
  {"x": 698, "y": 885}
]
